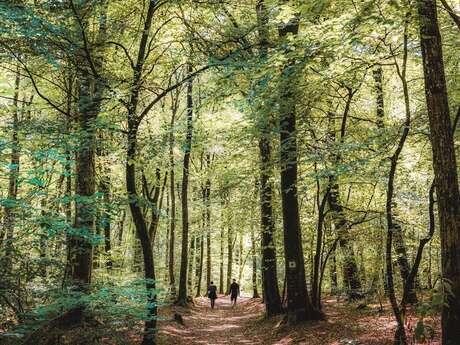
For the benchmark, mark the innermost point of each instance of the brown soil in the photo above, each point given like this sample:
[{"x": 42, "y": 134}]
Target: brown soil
[{"x": 245, "y": 325}]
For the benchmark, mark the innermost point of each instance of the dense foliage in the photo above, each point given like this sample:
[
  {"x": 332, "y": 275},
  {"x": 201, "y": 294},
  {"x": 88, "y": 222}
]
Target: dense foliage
[{"x": 150, "y": 147}]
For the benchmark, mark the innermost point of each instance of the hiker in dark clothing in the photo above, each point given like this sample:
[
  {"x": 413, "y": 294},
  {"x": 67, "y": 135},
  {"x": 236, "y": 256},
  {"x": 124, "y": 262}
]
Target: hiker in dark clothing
[
  {"x": 234, "y": 292},
  {"x": 212, "y": 294}
]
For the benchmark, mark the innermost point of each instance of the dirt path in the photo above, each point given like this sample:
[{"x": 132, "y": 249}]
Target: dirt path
[
  {"x": 245, "y": 325},
  {"x": 223, "y": 325}
]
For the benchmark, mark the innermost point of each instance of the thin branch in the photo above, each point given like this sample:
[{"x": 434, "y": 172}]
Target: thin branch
[
  {"x": 131, "y": 62},
  {"x": 34, "y": 84},
  {"x": 169, "y": 89},
  {"x": 452, "y": 14},
  {"x": 85, "y": 40}
]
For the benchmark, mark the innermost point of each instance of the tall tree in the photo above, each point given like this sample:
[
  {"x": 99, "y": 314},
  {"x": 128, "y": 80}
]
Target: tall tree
[
  {"x": 255, "y": 291},
  {"x": 221, "y": 259},
  {"x": 134, "y": 120},
  {"x": 444, "y": 166},
  {"x": 231, "y": 240},
  {"x": 200, "y": 255},
  {"x": 10, "y": 210},
  {"x": 272, "y": 299},
  {"x": 207, "y": 196},
  {"x": 172, "y": 195},
  {"x": 380, "y": 100},
  {"x": 299, "y": 304},
  {"x": 91, "y": 85},
  {"x": 341, "y": 223},
  {"x": 182, "y": 296}
]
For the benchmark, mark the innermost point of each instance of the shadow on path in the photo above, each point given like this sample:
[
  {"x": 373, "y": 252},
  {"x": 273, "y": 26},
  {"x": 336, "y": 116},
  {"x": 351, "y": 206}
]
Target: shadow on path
[{"x": 222, "y": 325}]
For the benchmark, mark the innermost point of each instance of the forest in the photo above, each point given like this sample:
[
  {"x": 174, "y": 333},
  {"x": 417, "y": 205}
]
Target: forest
[{"x": 152, "y": 152}]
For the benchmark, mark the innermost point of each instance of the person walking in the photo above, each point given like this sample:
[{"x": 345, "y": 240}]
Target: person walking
[
  {"x": 212, "y": 294},
  {"x": 234, "y": 292}
]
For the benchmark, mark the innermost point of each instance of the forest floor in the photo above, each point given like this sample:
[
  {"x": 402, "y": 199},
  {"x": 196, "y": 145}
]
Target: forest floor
[{"x": 244, "y": 325}]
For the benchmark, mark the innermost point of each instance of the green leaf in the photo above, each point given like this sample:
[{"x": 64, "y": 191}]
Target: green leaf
[{"x": 36, "y": 182}]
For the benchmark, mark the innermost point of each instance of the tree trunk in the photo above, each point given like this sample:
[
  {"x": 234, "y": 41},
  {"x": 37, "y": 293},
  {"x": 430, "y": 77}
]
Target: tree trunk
[
  {"x": 199, "y": 262},
  {"x": 43, "y": 237},
  {"x": 191, "y": 262},
  {"x": 241, "y": 258},
  {"x": 400, "y": 334},
  {"x": 68, "y": 177},
  {"x": 10, "y": 210},
  {"x": 333, "y": 272},
  {"x": 430, "y": 269},
  {"x": 121, "y": 225},
  {"x": 255, "y": 292},
  {"x": 444, "y": 165},
  {"x": 157, "y": 203},
  {"x": 380, "y": 109},
  {"x": 107, "y": 217},
  {"x": 172, "y": 194},
  {"x": 182, "y": 297},
  {"x": 316, "y": 284},
  {"x": 168, "y": 212},
  {"x": 398, "y": 239},
  {"x": 270, "y": 289},
  {"x": 142, "y": 233},
  {"x": 136, "y": 211},
  {"x": 299, "y": 303},
  {"x": 90, "y": 91},
  {"x": 208, "y": 225},
  {"x": 81, "y": 250},
  {"x": 341, "y": 224},
  {"x": 399, "y": 247},
  {"x": 230, "y": 244},
  {"x": 362, "y": 266},
  {"x": 221, "y": 266},
  {"x": 200, "y": 258}
]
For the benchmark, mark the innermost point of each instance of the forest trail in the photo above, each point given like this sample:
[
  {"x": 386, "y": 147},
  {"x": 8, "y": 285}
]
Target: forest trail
[
  {"x": 223, "y": 325},
  {"x": 245, "y": 325}
]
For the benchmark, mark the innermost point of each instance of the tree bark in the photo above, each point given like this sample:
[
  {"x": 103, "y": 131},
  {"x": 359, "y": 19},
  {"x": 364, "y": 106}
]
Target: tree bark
[
  {"x": 208, "y": 224},
  {"x": 104, "y": 187},
  {"x": 341, "y": 224},
  {"x": 398, "y": 238},
  {"x": 380, "y": 109},
  {"x": 68, "y": 178},
  {"x": 156, "y": 199},
  {"x": 90, "y": 91},
  {"x": 136, "y": 211},
  {"x": 221, "y": 266},
  {"x": 455, "y": 17},
  {"x": 333, "y": 273},
  {"x": 241, "y": 259},
  {"x": 299, "y": 304},
  {"x": 182, "y": 297},
  {"x": 270, "y": 289},
  {"x": 199, "y": 262},
  {"x": 400, "y": 334},
  {"x": 81, "y": 250},
  {"x": 172, "y": 194},
  {"x": 121, "y": 225},
  {"x": 444, "y": 166},
  {"x": 191, "y": 262},
  {"x": 316, "y": 285},
  {"x": 201, "y": 237},
  {"x": 255, "y": 292},
  {"x": 142, "y": 233},
  {"x": 230, "y": 245},
  {"x": 10, "y": 210},
  {"x": 168, "y": 212}
]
